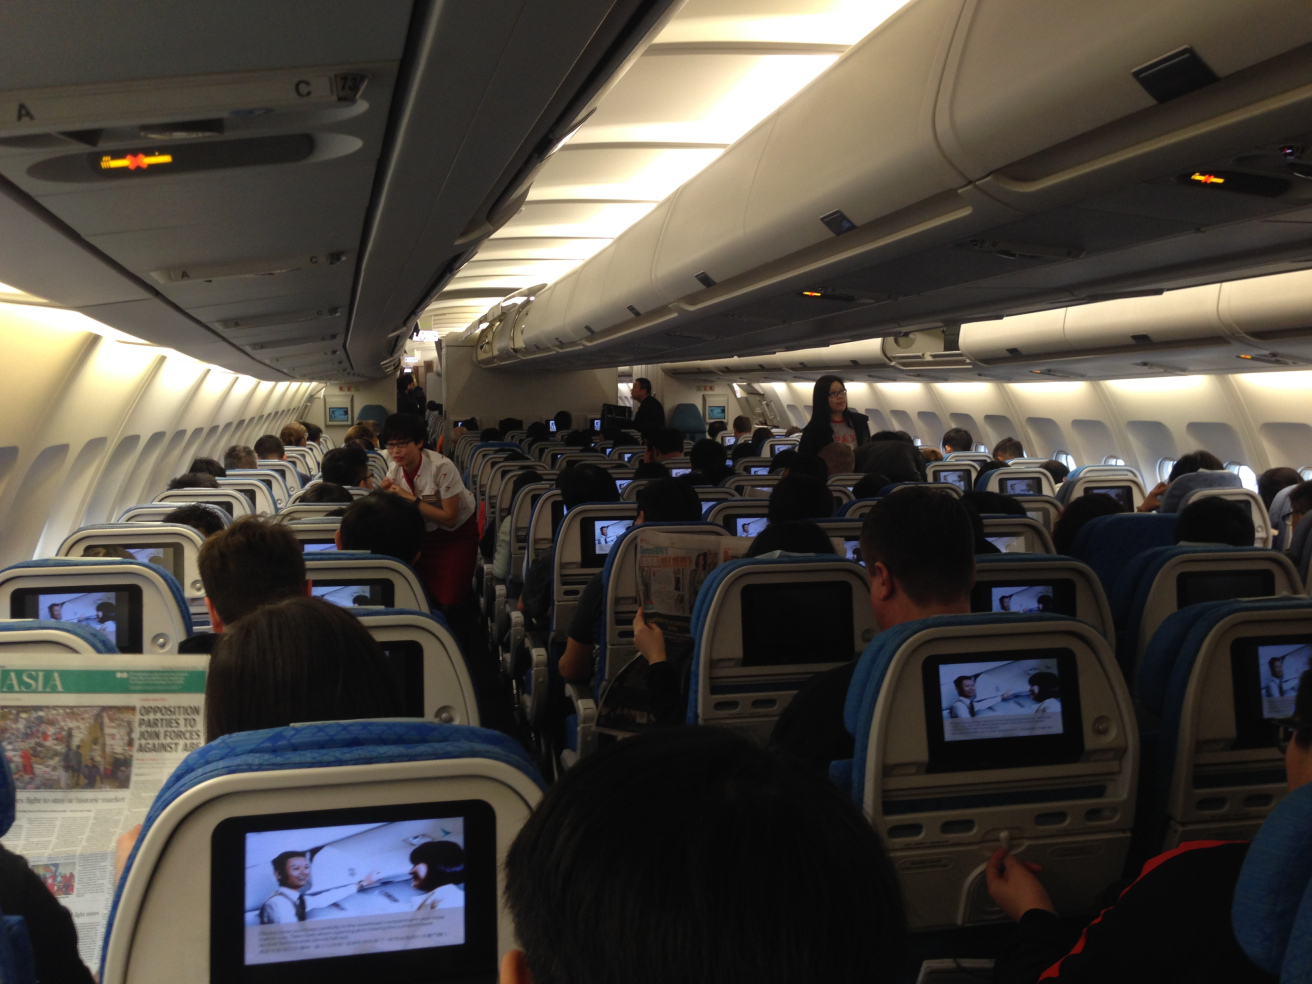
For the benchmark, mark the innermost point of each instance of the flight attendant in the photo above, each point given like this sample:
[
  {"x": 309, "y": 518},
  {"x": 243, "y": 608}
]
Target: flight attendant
[{"x": 446, "y": 558}]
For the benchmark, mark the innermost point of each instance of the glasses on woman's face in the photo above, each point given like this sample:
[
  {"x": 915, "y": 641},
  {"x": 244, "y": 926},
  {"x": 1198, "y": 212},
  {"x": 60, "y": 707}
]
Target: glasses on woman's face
[
  {"x": 834, "y": 393},
  {"x": 394, "y": 445}
]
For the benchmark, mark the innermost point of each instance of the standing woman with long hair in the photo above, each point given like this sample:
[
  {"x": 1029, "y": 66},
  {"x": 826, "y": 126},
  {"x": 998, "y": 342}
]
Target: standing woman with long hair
[{"x": 831, "y": 420}]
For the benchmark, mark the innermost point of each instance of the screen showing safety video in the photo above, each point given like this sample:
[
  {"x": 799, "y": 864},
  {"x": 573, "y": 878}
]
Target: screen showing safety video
[
  {"x": 1008, "y": 544},
  {"x": 960, "y": 477},
  {"x": 679, "y": 472},
  {"x": 1279, "y": 669},
  {"x": 750, "y": 525},
  {"x": 1029, "y": 598},
  {"x": 360, "y": 888},
  {"x": 606, "y": 531},
  {"x": 317, "y": 546},
  {"x": 365, "y": 595},
  {"x": 1016, "y": 698},
  {"x": 98, "y": 610},
  {"x": 1121, "y": 493},
  {"x": 1020, "y": 486}
]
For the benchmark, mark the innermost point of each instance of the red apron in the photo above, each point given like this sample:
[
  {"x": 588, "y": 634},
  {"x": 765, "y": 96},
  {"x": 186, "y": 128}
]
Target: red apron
[{"x": 446, "y": 559}]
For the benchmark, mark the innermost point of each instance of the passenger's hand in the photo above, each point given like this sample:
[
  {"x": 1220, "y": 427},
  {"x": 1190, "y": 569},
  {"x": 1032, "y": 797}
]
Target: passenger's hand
[
  {"x": 1153, "y": 499},
  {"x": 1014, "y": 886},
  {"x": 387, "y": 485},
  {"x": 649, "y": 639}
]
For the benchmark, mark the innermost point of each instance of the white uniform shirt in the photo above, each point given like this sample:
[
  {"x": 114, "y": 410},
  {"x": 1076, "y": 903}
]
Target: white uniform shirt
[
  {"x": 443, "y": 897},
  {"x": 437, "y": 479}
]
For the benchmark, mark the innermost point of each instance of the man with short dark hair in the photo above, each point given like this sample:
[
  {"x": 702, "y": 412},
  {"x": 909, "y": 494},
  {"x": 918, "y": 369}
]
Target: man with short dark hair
[
  {"x": 662, "y": 443},
  {"x": 251, "y": 563},
  {"x": 321, "y": 492},
  {"x": 347, "y": 465},
  {"x": 742, "y": 428},
  {"x": 958, "y": 439},
  {"x": 382, "y": 524},
  {"x": 800, "y": 496},
  {"x": 1007, "y": 449},
  {"x": 312, "y": 431},
  {"x": 1213, "y": 519},
  {"x": 200, "y": 517},
  {"x": 239, "y": 456},
  {"x": 194, "y": 480},
  {"x": 919, "y": 550},
  {"x": 649, "y": 415},
  {"x": 270, "y": 448}
]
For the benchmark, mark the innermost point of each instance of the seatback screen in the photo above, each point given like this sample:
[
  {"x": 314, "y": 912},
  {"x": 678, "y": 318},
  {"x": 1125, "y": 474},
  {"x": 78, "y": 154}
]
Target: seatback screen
[
  {"x": 397, "y": 892},
  {"x": 317, "y": 546},
  {"x": 748, "y": 525},
  {"x": 758, "y": 469},
  {"x": 598, "y": 534},
  {"x": 1121, "y": 493},
  {"x": 113, "y": 610},
  {"x": 1266, "y": 672},
  {"x": 1050, "y": 594},
  {"x": 1196, "y": 587},
  {"x": 355, "y": 592},
  {"x": 1020, "y": 486},
  {"x": 1001, "y": 709},
  {"x": 1014, "y": 543},
  {"x": 798, "y": 623},
  {"x": 406, "y": 658},
  {"x": 960, "y": 477},
  {"x": 679, "y": 472}
]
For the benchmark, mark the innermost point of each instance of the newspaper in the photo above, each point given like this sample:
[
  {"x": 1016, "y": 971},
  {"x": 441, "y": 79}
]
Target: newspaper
[
  {"x": 89, "y": 747},
  {"x": 670, "y": 571}
]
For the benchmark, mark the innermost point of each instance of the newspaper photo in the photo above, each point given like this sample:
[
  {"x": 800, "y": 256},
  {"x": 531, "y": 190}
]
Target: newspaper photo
[
  {"x": 671, "y": 569},
  {"x": 89, "y": 748}
]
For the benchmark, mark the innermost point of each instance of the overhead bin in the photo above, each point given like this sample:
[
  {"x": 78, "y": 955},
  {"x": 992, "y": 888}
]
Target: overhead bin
[
  {"x": 839, "y": 359},
  {"x": 1269, "y": 308}
]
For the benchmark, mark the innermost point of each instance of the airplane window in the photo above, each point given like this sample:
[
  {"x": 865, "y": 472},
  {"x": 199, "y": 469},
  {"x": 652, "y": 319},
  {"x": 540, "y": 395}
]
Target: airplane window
[
  {"x": 1164, "y": 467},
  {"x": 917, "y": 441},
  {"x": 982, "y": 448},
  {"x": 1066, "y": 458},
  {"x": 1305, "y": 474},
  {"x": 1246, "y": 474},
  {"x": 1111, "y": 459}
]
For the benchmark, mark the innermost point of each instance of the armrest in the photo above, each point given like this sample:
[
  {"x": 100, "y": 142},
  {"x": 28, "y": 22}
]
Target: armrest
[
  {"x": 585, "y": 710},
  {"x": 513, "y": 639}
]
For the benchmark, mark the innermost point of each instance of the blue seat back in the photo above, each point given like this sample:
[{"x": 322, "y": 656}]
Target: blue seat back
[
  {"x": 1107, "y": 544},
  {"x": 445, "y": 688},
  {"x": 1035, "y": 576},
  {"x": 43, "y": 635},
  {"x": 740, "y": 517},
  {"x": 1182, "y": 488}
]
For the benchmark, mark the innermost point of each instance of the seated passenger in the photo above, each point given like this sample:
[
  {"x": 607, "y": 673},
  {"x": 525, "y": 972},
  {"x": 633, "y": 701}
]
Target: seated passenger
[
  {"x": 1194, "y": 461},
  {"x": 508, "y": 424},
  {"x": 652, "y": 470},
  {"x": 806, "y": 464},
  {"x": 362, "y": 432},
  {"x": 1056, "y": 469},
  {"x": 839, "y": 459},
  {"x": 671, "y": 500},
  {"x": 743, "y": 449},
  {"x": 793, "y": 536},
  {"x": 887, "y": 454},
  {"x": 693, "y": 855},
  {"x": 564, "y": 422},
  {"x": 1215, "y": 520},
  {"x": 1273, "y": 480},
  {"x": 800, "y": 497},
  {"x": 194, "y": 480},
  {"x": 931, "y": 454},
  {"x": 1077, "y": 513},
  {"x": 347, "y": 465},
  {"x": 294, "y": 435},
  {"x": 707, "y": 459},
  {"x": 759, "y": 437},
  {"x": 1172, "y": 924},
  {"x": 239, "y": 456},
  {"x": 313, "y": 432},
  {"x": 432, "y": 480},
  {"x": 919, "y": 551},
  {"x": 792, "y": 431},
  {"x": 536, "y": 432},
  {"x": 870, "y": 486},
  {"x": 742, "y": 428},
  {"x": 386, "y": 525},
  {"x": 662, "y": 443},
  {"x": 208, "y": 465},
  {"x": 251, "y": 563},
  {"x": 296, "y": 660},
  {"x": 715, "y": 428},
  {"x": 270, "y": 448},
  {"x": 489, "y": 435},
  {"x": 200, "y": 518},
  {"x": 505, "y": 541},
  {"x": 326, "y": 491},
  {"x": 958, "y": 439},
  {"x": 1008, "y": 448},
  {"x": 994, "y": 504}
]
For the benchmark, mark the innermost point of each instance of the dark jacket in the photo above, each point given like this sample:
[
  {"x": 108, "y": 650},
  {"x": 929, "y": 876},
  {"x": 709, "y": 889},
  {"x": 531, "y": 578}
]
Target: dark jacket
[
  {"x": 897, "y": 461},
  {"x": 816, "y": 436},
  {"x": 49, "y": 924},
  {"x": 649, "y": 417}
]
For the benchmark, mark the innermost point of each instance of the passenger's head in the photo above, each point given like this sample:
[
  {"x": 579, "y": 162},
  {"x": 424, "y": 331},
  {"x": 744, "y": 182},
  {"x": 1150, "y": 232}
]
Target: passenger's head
[
  {"x": 208, "y": 466},
  {"x": 1298, "y": 756},
  {"x": 1008, "y": 448},
  {"x": 362, "y": 433},
  {"x": 537, "y": 431},
  {"x": 665, "y": 442},
  {"x": 870, "y": 486},
  {"x": 437, "y": 863},
  {"x": 1211, "y": 519},
  {"x": 312, "y": 431},
  {"x": 326, "y": 491},
  {"x": 759, "y": 437},
  {"x": 919, "y": 550},
  {"x": 382, "y": 524},
  {"x": 1300, "y": 502},
  {"x": 743, "y": 449},
  {"x": 958, "y": 439},
  {"x": 489, "y": 434},
  {"x": 271, "y": 448},
  {"x": 299, "y": 659},
  {"x": 994, "y": 503},
  {"x": 773, "y": 876},
  {"x": 582, "y": 482},
  {"x": 1079, "y": 512},
  {"x": 931, "y": 455},
  {"x": 194, "y": 480},
  {"x": 669, "y": 500},
  {"x": 239, "y": 456},
  {"x": 347, "y": 465},
  {"x": 1056, "y": 469},
  {"x": 707, "y": 457},
  {"x": 508, "y": 424},
  {"x": 294, "y": 434},
  {"x": 807, "y": 464},
  {"x": 202, "y": 519},
  {"x": 641, "y": 389},
  {"x": 253, "y": 562},
  {"x": 839, "y": 459},
  {"x": 796, "y": 536},
  {"x": 1273, "y": 480},
  {"x": 1195, "y": 461},
  {"x": 742, "y": 424},
  {"x": 715, "y": 428},
  {"x": 828, "y": 400},
  {"x": 564, "y": 421},
  {"x": 800, "y": 497}
]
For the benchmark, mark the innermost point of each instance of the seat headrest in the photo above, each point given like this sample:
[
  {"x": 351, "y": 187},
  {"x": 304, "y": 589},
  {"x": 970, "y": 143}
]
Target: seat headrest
[
  {"x": 96, "y": 641},
  {"x": 1186, "y": 484},
  {"x": 1273, "y": 881}
]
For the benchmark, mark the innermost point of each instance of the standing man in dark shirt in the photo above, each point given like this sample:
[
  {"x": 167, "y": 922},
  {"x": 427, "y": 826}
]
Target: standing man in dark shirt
[{"x": 649, "y": 415}]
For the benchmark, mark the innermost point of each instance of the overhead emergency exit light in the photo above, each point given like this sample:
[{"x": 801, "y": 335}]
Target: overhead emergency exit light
[{"x": 134, "y": 161}]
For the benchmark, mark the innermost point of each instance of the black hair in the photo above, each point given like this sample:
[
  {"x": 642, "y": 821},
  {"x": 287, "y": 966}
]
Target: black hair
[
  {"x": 742, "y": 424},
  {"x": 820, "y": 422},
  {"x": 564, "y": 420},
  {"x": 601, "y": 890},
  {"x": 582, "y": 482},
  {"x": 784, "y": 459},
  {"x": 669, "y": 500},
  {"x": 707, "y": 456},
  {"x": 886, "y": 435},
  {"x": 795, "y": 536},
  {"x": 405, "y": 427},
  {"x": 1056, "y": 469},
  {"x": 924, "y": 538},
  {"x": 537, "y": 431},
  {"x": 445, "y": 861},
  {"x": 347, "y": 465},
  {"x": 280, "y": 863},
  {"x": 508, "y": 424},
  {"x": 870, "y": 486},
  {"x": 1010, "y": 447},
  {"x": 743, "y": 449},
  {"x": 1195, "y": 461},
  {"x": 312, "y": 431},
  {"x": 1048, "y": 683},
  {"x": 208, "y": 465},
  {"x": 384, "y": 524},
  {"x": 759, "y": 437},
  {"x": 993, "y": 503},
  {"x": 326, "y": 491},
  {"x": 251, "y": 563},
  {"x": 958, "y": 439},
  {"x": 665, "y": 440},
  {"x": 195, "y": 480},
  {"x": 200, "y": 518},
  {"x": 1077, "y": 514},
  {"x": 489, "y": 434},
  {"x": 800, "y": 497},
  {"x": 644, "y": 382},
  {"x": 269, "y": 446},
  {"x": 716, "y": 428},
  {"x": 651, "y": 469},
  {"x": 300, "y": 659},
  {"x": 1212, "y": 519},
  {"x": 1273, "y": 480},
  {"x": 809, "y": 464}
]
